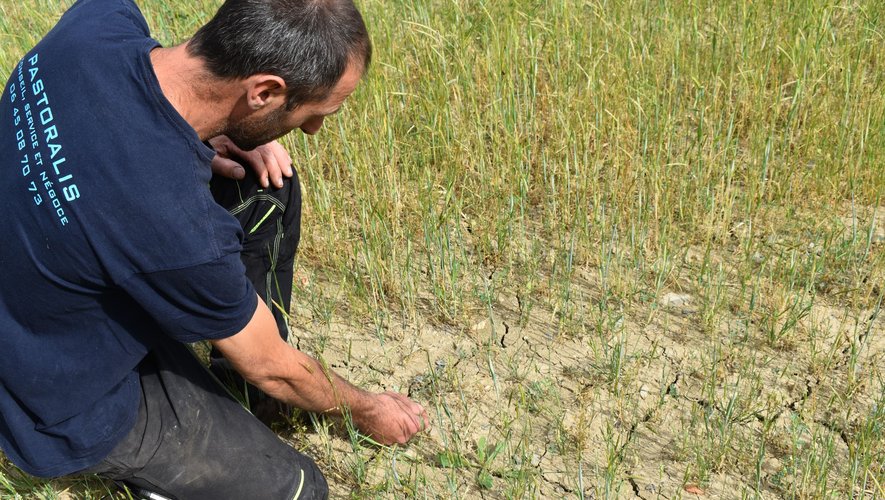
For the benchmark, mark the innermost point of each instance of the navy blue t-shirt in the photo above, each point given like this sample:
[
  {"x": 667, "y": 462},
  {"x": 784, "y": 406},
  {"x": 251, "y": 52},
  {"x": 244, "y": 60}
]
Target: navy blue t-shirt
[{"x": 111, "y": 238}]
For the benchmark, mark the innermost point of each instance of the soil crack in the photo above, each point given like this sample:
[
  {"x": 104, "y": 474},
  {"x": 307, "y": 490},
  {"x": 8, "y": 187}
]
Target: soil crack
[
  {"x": 504, "y": 335},
  {"x": 635, "y": 488},
  {"x": 630, "y": 434},
  {"x": 838, "y": 430},
  {"x": 810, "y": 384}
]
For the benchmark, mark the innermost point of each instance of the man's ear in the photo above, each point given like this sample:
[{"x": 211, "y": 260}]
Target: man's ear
[{"x": 263, "y": 90}]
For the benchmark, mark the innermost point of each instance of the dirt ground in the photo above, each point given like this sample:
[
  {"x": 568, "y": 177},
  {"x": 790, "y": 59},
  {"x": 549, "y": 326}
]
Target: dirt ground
[{"x": 663, "y": 407}]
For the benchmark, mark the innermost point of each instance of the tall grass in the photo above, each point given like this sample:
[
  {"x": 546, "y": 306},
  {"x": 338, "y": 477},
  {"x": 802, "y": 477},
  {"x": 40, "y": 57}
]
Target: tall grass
[{"x": 583, "y": 158}]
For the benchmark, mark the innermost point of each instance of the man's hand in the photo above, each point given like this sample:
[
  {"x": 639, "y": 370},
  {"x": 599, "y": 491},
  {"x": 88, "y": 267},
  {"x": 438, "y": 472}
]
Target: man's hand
[
  {"x": 270, "y": 161},
  {"x": 391, "y": 419}
]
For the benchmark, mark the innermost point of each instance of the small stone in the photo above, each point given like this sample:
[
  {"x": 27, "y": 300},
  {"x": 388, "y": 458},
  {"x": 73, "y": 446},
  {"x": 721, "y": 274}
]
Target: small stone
[
  {"x": 693, "y": 489},
  {"x": 673, "y": 299},
  {"x": 693, "y": 256},
  {"x": 480, "y": 326},
  {"x": 650, "y": 487},
  {"x": 772, "y": 465},
  {"x": 757, "y": 258},
  {"x": 643, "y": 391},
  {"x": 536, "y": 460},
  {"x": 302, "y": 278}
]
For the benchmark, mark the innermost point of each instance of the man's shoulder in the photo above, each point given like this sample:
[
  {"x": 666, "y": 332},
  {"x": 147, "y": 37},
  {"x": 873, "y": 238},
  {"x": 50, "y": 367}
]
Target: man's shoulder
[{"x": 98, "y": 17}]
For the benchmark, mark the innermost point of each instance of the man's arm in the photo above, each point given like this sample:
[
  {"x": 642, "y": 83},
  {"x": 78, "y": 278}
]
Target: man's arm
[{"x": 291, "y": 376}]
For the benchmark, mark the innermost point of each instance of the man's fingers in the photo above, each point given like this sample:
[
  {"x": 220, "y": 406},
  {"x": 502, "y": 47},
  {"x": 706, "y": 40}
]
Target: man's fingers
[
  {"x": 256, "y": 162},
  {"x": 420, "y": 422},
  {"x": 271, "y": 161},
  {"x": 425, "y": 421},
  {"x": 275, "y": 159},
  {"x": 415, "y": 411},
  {"x": 226, "y": 167},
  {"x": 261, "y": 172},
  {"x": 414, "y": 427},
  {"x": 412, "y": 406},
  {"x": 274, "y": 171},
  {"x": 398, "y": 419},
  {"x": 254, "y": 158},
  {"x": 283, "y": 159},
  {"x": 280, "y": 156},
  {"x": 416, "y": 408}
]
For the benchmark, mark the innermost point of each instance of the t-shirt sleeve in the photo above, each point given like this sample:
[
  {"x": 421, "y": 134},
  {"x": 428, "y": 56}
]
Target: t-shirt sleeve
[{"x": 202, "y": 302}]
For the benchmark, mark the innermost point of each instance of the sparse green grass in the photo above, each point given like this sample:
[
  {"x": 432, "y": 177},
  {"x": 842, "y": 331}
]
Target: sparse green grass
[{"x": 494, "y": 221}]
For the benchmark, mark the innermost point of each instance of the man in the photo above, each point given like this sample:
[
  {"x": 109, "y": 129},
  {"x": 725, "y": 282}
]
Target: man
[{"x": 116, "y": 253}]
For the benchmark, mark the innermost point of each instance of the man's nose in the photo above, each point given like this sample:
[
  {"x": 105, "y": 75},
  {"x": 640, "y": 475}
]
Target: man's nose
[{"x": 313, "y": 125}]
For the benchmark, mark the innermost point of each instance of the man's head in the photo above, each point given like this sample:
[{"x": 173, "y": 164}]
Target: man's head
[
  {"x": 271, "y": 118},
  {"x": 300, "y": 50}
]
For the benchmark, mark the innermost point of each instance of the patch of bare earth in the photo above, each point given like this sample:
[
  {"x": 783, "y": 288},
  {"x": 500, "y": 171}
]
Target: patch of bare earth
[{"x": 664, "y": 403}]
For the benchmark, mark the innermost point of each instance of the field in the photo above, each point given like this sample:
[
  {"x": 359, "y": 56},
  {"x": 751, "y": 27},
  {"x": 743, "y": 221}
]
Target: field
[{"x": 619, "y": 249}]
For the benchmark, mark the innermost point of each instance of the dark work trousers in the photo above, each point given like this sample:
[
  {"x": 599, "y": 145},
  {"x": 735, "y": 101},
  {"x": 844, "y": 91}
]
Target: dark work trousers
[
  {"x": 193, "y": 440},
  {"x": 271, "y": 222}
]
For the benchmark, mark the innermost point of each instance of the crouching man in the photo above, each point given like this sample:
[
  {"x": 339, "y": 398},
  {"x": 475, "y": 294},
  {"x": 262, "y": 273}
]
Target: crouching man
[{"x": 120, "y": 247}]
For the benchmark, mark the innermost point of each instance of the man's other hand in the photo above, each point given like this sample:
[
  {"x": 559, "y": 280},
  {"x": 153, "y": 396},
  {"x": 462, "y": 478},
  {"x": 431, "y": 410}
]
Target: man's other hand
[
  {"x": 392, "y": 418},
  {"x": 271, "y": 161}
]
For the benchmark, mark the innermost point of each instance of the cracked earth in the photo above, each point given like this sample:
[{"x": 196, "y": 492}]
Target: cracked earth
[{"x": 653, "y": 400}]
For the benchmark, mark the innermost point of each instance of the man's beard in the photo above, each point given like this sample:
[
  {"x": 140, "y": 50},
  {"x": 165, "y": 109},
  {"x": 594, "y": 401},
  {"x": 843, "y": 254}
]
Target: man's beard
[{"x": 249, "y": 133}]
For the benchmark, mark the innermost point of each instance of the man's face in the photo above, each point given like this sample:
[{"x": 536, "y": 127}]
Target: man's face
[{"x": 262, "y": 127}]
